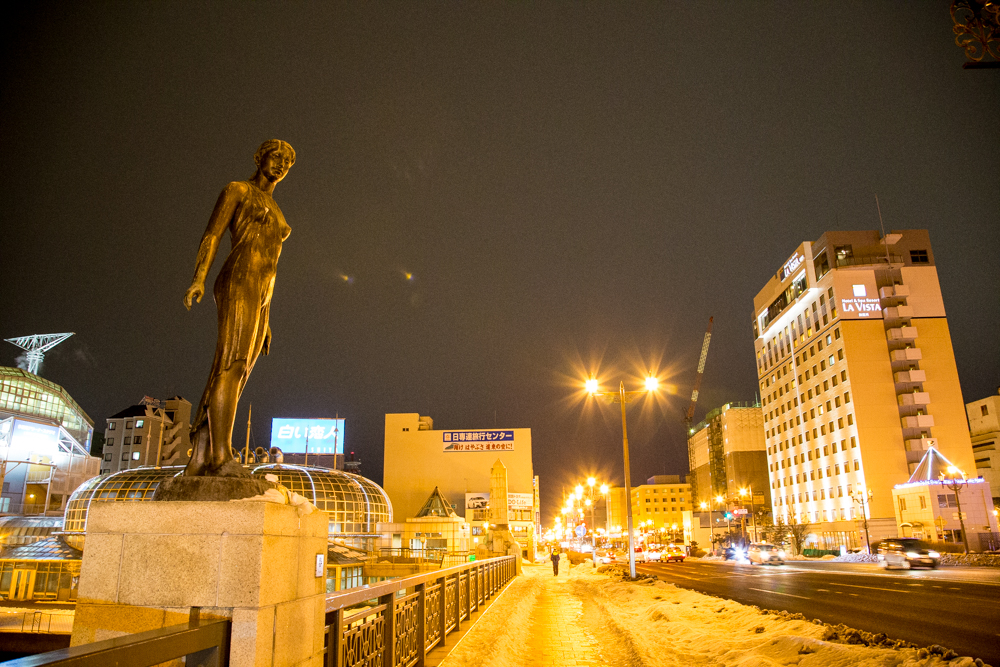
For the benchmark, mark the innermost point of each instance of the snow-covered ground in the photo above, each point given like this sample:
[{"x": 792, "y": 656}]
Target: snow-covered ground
[{"x": 655, "y": 623}]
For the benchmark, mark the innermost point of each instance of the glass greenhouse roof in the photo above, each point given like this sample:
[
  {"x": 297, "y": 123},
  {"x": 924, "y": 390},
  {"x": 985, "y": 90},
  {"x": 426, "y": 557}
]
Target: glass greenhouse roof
[{"x": 353, "y": 504}]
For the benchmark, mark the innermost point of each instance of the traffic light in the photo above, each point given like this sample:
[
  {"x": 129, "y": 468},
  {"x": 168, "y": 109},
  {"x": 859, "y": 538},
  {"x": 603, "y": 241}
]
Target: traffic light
[{"x": 729, "y": 516}]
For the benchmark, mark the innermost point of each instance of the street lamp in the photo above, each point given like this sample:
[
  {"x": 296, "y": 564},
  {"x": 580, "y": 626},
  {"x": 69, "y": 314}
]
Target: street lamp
[
  {"x": 956, "y": 481},
  {"x": 624, "y": 397},
  {"x": 711, "y": 526},
  {"x": 864, "y": 498},
  {"x": 753, "y": 513}
]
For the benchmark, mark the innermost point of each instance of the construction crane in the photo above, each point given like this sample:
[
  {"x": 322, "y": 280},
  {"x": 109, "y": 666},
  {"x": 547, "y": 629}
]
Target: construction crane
[
  {"x": 689, "y": 415},
  {"x": 36, "y": 346}
]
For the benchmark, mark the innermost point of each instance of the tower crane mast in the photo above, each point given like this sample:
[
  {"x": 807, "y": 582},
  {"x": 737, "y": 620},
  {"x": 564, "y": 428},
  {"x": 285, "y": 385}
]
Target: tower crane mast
[{"x": 689, "y": 415}]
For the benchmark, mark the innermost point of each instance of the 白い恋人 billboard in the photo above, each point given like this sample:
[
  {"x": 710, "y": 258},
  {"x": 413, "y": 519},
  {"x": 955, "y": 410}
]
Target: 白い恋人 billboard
[{"x": 321, "y": 436}]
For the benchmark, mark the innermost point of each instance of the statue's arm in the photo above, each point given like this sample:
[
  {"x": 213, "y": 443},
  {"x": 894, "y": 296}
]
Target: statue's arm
[{"x": 221, "y": 215}]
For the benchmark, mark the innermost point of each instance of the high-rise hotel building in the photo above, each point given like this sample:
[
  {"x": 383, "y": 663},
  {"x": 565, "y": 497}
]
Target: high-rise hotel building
[{"x": 857, "y": 378}]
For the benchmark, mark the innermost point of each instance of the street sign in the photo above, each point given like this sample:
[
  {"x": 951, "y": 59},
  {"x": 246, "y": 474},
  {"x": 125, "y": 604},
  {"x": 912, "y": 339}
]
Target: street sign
[
  {"x": 581, "y": 530},
  {"x": 740, "y": 510}
]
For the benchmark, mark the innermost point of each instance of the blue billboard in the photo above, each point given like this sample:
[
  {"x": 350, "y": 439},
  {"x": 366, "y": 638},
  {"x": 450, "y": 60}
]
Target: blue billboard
[{"x": 322, "y": 436}]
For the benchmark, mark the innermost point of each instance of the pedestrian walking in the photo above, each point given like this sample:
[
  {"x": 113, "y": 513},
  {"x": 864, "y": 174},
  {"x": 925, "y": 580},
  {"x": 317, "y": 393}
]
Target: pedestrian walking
[{"x": 554, "y": 557}]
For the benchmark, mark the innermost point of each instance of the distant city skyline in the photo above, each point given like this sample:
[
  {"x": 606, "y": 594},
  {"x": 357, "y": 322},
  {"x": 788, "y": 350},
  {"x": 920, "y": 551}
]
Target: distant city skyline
[{"x": 489, "y": 204}]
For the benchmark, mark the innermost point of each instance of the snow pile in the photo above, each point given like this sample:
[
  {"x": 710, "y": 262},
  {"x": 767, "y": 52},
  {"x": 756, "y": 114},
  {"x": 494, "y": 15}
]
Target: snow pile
[
  {"x": 655, "y": 623},
  {"x": 859, "y": 557},
  {"x": 983, "y": 560}
]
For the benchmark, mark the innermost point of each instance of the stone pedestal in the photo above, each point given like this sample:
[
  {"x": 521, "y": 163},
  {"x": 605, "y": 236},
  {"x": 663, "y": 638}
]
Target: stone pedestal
[{"x": 146, "y": 565}]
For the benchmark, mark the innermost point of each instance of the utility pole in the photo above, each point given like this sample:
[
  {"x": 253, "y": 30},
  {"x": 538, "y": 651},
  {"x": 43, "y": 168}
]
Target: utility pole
[{"x": 246, "y": 446}]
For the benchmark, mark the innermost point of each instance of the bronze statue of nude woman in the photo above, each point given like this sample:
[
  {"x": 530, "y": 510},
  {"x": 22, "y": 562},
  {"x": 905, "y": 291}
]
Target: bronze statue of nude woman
[{"x": 243, "y": 296}]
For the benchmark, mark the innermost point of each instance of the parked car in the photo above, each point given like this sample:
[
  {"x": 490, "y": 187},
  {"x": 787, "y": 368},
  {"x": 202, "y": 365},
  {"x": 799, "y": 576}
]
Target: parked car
[
  {"x": 605, "y": 557},
  {"x": 906, "y": 552},
  {"x": 765, "y": 554},
  {"x": 673, "y": 553}
]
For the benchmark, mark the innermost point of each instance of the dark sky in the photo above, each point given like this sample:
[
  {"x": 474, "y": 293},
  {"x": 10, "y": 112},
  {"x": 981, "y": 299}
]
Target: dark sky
[{"x": 574, "y": 187}]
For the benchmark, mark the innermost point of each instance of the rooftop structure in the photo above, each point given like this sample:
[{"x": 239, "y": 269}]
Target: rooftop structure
[
  {"x": 36, "y": 346},
  {"x": 152, "y": 428}
]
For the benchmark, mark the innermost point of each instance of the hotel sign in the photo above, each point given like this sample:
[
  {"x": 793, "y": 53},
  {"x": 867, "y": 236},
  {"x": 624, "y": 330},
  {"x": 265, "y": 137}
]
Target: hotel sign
[
  {"x": 860, "y": 305},
  {"x": 790, "y": 266}
]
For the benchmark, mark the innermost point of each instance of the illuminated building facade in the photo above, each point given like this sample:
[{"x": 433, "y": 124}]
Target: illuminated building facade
[
  {"x": 135, "y": 435},
  {"x": 458, "y": 463},
  {"x": 857, "y": 378},
  {"x": 44, "y": 444},
  {"x": 927, "y": 506},
  {"x": 658, "y": 504},
  {"x": 726, "y": 453},
  {"x": 984, "y": 426}
]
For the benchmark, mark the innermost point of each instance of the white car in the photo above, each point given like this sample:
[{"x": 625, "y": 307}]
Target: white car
[{"x": 765, "y": 554}]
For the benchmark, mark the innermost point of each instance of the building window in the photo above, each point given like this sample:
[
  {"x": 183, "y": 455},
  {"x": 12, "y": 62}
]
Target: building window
[
  {"x": 984, "y": 410},
  {"x": 836, "y": 333},
  {"x": 128, "y": 424},
  {"x": 111, "y": 426},
  {"x": 107, "y": 457},
  {"x": 135, "y": 456},
  {"x": 857, "y": 465},
  {"x": 847, "y": 397},
  {"x": 139, "y": 423},
  {"x": 844, "y": 254},
  {"x": 919, "y": 257},
  {"x": 109, "y": 442},
  {"x": 124, "y": 456},
  {"x": 923, "y": 502},
  {"x": 902, "y": 504},
  {"x": 137, "y": 440},
  {"x": 854, "y": 443},
  {"x": 850, "y": 419}
]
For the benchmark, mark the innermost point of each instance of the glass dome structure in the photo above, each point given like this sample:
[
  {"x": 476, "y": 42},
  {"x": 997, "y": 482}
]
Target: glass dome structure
[{"x": 353, "y": 504}]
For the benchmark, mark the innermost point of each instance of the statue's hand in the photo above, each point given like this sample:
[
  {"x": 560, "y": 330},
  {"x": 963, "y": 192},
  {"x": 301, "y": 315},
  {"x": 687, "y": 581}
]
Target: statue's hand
[
  {"x": 194, "y": 294},
  {"x": 266, "y": 347}
]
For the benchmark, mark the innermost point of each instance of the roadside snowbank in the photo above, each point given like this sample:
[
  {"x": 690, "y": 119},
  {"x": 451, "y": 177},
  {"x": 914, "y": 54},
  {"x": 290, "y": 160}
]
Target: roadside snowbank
[{"x": 674, "y": 627}]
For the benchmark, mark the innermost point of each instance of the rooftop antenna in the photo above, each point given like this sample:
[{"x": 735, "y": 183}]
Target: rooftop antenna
[
  {"x": 36, "y": 346},
  {"x": 885, "y": 240}
]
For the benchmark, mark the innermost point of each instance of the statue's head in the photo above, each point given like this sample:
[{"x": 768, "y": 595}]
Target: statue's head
[{"x": 274, "y": 158}]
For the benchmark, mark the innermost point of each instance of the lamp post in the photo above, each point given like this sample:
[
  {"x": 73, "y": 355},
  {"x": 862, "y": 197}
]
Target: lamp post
[
  {"x": 864, "y": 498},
  {"x": 753, "y": 511},
  {"x": 623, "y": 397},
  {"x": 711, "y": 526},
  {"x": 956, "y": 481}
]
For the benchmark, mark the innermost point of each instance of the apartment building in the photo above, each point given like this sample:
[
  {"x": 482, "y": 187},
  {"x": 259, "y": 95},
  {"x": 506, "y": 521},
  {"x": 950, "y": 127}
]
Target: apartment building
[
  {"x": 659, "y": 503},
  {"x": 984, "y": 427},
  {"x": 857, "y": 377},
  {"x": 139, "y": 433}
]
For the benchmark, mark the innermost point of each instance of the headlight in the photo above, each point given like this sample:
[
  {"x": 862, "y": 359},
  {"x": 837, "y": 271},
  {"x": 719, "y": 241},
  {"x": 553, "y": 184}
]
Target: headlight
[
  {"x": 781, "y": 555},
  {"x": 912, "y": 554},
  {"x": 933, "y": 554}
]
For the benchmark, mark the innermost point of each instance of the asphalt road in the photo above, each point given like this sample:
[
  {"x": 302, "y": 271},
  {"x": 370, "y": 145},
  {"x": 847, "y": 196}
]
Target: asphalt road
[{"x": 956, "y": 607}]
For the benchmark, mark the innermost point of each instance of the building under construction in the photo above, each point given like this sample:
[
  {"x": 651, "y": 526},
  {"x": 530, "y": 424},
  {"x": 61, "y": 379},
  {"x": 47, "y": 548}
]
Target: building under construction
[{"x": 726, "y": 453}]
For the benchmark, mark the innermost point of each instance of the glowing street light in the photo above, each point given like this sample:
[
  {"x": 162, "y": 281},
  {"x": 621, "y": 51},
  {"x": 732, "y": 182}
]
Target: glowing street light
[
  {"x": 956, "y": 481},
  {"x": 623, "y": 397}
]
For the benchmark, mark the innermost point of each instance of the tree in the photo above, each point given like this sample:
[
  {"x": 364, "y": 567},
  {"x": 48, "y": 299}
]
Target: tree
[
  {"x": 775, "y": 533},
  {"x": 797, "y": 535}
]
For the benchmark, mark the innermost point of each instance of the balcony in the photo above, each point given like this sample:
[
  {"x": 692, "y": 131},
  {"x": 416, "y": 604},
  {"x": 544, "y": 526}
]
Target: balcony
[
  {"x": 895, "y": 291},
  {"x": 901, "y": 333},
  {"x": 918, "y": 398},
  {"x": 910, "y": 377},
  {"x": 907, "y": 354},
  {"x": 918, "y": 421},
  {"x": 920, "y": 445},
  {"x": 898, "y": 312}
]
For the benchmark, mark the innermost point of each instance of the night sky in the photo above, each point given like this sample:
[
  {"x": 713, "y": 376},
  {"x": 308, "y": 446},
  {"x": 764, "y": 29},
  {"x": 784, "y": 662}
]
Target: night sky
[{"x": 571, "y": 189}]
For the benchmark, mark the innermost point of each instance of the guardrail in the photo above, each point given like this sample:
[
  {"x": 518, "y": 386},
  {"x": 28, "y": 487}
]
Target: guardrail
[
  {"x": 40, "y": 622},
  {"x": 410, "y": 616},
  {"x": 202, "y": 643}
]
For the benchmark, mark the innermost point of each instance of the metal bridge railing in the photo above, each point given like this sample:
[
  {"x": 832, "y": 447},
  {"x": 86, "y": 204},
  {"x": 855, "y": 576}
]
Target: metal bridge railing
[
  {"x": 405, "y": 618},
  {"x": 203, "y": 643}
]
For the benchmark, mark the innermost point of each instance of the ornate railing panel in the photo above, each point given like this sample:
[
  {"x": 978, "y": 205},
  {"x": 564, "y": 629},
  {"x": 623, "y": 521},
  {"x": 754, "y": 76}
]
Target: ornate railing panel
[{"x": 405, "y": 618}]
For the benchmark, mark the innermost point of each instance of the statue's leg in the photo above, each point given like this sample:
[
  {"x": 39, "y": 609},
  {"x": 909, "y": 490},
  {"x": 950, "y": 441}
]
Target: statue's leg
[{"x": 222, "y": 413}]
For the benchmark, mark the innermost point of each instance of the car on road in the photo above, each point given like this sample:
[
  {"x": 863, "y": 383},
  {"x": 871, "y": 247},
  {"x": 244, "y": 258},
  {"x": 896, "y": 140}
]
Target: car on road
[
  {"x": 640, "y": 556},
  {"x": 672, "y": 553},
  {"x": 605, "y": 557},
  {"x": 906, "y": 552},
  {"x": 765, "y": 554}
]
